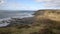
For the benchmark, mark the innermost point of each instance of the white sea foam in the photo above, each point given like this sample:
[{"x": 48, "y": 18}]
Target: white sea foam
[
  {"x": 5, "y": 19},
  {"x": 4, "y": 24},
  {"x": 13, "y": 15},
  {"x": 23, "y": 16}
]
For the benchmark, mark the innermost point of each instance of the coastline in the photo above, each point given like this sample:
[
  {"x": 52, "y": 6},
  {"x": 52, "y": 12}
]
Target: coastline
[
  {"x": 39, "y": 24},
  {"x": 8, "y": 21}
]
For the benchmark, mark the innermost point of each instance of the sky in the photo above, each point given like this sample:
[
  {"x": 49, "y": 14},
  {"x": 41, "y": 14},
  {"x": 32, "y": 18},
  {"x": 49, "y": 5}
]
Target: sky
[{"x": 29, "y": 4}]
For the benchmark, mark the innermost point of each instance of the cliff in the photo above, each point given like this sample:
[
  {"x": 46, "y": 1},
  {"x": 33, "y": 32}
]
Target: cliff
[
  {"x": 49, "y": 14},
  {"x": 49, "y": 19}
]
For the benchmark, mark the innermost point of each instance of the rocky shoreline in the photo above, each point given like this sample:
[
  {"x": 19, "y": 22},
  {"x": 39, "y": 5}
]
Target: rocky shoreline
[{"x": 18, "y": 21}]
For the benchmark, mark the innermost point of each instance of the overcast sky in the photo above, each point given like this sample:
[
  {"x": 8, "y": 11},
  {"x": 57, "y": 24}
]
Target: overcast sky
[{"x": 29, "y": 4}]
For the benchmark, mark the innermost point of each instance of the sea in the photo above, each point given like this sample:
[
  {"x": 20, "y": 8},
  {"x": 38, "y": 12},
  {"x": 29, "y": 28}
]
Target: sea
[{"x": 6, "y": 15}]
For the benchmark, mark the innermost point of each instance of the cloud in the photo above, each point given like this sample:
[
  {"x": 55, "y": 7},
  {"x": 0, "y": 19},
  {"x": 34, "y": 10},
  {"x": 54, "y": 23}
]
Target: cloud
[
  {"x": 50, "y": 3},
  {"x": 1, "y": 2},
  {"x": 13, "y": 5},
  {"x": 42, "y": 0},
  {"x": 7, "y": 5}
]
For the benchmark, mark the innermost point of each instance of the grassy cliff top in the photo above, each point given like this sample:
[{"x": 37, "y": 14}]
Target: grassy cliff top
[{"x": 50, "y": 14}]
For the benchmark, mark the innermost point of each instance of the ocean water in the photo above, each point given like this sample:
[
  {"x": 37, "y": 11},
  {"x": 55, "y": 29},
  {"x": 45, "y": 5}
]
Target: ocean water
[
  {"x": 6, "y": 15},
  {"x": 17, "y": 14}
]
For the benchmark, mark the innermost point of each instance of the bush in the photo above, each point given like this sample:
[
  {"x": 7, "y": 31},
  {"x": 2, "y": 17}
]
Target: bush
[{"x": 5, "y": 31}]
